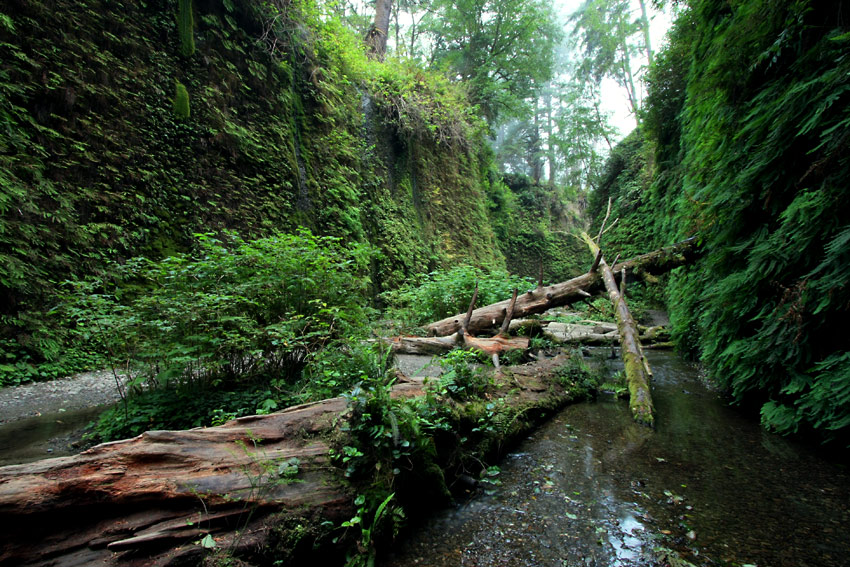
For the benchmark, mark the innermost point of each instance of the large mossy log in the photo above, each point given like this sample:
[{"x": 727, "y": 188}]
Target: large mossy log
[
  {"x": 636, "y": 367},
  {"x": 152, "y": 500},
  {"x": 543, "y": 298}
]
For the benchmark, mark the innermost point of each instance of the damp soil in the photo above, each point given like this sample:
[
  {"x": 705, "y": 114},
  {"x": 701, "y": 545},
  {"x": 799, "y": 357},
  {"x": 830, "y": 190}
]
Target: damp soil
[{"x": 591, "y": 488}]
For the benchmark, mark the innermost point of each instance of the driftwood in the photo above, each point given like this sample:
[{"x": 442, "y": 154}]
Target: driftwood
[
  {"x": 544, "y": 298},
  {"x": 590, "y": 333},
  {"x": 441, "y": 345},
  {"x": 600, "y": 333},
  {"x": 637, "y": 369}
]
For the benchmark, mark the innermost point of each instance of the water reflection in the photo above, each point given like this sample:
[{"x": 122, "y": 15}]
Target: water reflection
[
  {"x": 592, "y": 488},
  {"x": 44, "y": 436}
]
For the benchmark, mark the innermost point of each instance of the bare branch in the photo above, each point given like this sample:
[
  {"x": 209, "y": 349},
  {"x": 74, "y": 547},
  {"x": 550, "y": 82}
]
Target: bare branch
[{"x": 602, "y": 228}]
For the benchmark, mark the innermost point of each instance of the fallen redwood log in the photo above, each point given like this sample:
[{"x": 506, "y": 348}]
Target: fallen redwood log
[
  {"x": 442, "y": 345},
  {"x": 492, "y": 346},
  {"x": 543, "y": 298},
  {"x": 161, "y": 492},
  {"x": 636, "y": 367},
  {"x": 155, "y": 499},
  {"x": 600, "y": 333}
]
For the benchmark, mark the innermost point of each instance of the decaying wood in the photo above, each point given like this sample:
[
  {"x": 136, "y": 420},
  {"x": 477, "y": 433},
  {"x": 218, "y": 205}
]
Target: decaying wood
[
  {"x": 150, "y": 500},
  {"x": 164, "y": 490},
  {"x": 440, "y": 345},
  {"x": 503, "y": 331},
  {"x": 564, "y": 293},
  {"x": 492, "y": 346},
  {"x": 600, "y": 333},
  {"x": 637, "y": 369}
]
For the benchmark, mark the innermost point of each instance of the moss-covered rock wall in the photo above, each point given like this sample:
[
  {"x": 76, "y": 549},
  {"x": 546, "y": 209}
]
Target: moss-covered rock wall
[{"x": 287, "y": 125}]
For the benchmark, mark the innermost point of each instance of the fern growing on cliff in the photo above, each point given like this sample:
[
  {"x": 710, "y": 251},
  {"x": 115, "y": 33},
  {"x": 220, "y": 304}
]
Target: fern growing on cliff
[{"x": 765, "y": 188}]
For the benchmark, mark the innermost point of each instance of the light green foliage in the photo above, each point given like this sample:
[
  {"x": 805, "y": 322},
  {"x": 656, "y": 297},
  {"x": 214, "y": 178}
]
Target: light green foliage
[
  {"x": 609, "y": 36},
  {"x": 447, "y": 292},
  {"x": 242, "y": 317},
  {"x": 186, "y": 27},
  {"x": 231, "y": 312},
  {"x": 461, "y": 378},
  {"x": 503, "y": 50},
  {"x": 422, "y": 105},
  {"x": 181, "y": 101},
  {"x": 581, "y": 130}
]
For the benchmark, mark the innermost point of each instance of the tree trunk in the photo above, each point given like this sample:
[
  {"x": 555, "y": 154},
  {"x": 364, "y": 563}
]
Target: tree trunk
[
  {"x": 550, "y": 151},
  {"x": 542, "y": 299},
  {"x": 644, "y": 18},
  {"x": 628, "y": 76},
  {"x": 168, "y": 488},
  {"x": 636, "y": 367},
  {"x": 376, "y": 37}
]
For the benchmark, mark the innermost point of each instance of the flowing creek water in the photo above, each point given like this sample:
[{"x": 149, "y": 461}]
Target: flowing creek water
[
  {"x": 591, "y": 488},
  {"x": 55, "y": 434}
]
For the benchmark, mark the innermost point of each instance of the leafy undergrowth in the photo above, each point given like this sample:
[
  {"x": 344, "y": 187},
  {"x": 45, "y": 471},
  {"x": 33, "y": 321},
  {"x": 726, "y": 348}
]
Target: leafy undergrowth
[
  {"x": 443, "y": 293},
  {"x": 405, "y": 456}
]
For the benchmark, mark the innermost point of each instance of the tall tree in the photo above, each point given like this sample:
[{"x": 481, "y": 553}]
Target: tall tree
[
  {"x": 376, "y": 35},
  {"x": 580, "y": 129},
  {"x": 606, "y": 34},
  {"x": 644, "y": 22},
  {"x": 503, "y": 49}
]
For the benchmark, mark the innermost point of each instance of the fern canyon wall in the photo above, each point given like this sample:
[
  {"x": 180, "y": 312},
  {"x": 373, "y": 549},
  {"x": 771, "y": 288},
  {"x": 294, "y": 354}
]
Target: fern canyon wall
[
  {"x": 131, "y": 126},
  {"x": 744, "y": 147},
  {"x": 281, "y": 133}
]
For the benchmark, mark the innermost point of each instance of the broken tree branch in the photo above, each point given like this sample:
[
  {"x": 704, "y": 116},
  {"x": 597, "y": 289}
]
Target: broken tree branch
[
  {"x": 503, "y": 332},
  {"x": 595, "y": 264},
  {"x": 465, "y": 326},
  {"x": 602, "y": 226}
]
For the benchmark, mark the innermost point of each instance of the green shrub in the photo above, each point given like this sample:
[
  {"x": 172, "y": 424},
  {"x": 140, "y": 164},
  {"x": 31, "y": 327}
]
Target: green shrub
[
  {"x": 231, "y": 313},
  {"x": 444, "y": 293},
  {"x": 183, "y": 409},
  {"x": 461, "y": 379}
]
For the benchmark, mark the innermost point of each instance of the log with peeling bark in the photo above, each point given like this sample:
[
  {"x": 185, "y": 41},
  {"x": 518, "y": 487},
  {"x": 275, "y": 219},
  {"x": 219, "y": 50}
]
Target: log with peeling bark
[
  {"x": 442, "y": 345},
  {"x": 636, "y": 367},
  {"x": 541, "y": 299},
  {"x": 158, "y": 494},
  {"x": 600, "y": 333},
  {"x": 492, "y": 346},
  {"x": 151, "y": 501}
]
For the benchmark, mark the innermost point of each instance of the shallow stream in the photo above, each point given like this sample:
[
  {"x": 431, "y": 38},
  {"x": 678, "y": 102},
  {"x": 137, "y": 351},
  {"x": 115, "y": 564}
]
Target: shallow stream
[{"x": 591, "y": 488}]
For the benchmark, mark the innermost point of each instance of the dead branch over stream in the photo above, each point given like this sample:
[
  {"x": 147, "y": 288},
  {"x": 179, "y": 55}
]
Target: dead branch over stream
[
  {"x": 543, "y": 298},
  {"x": 636, "y": 367}
]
